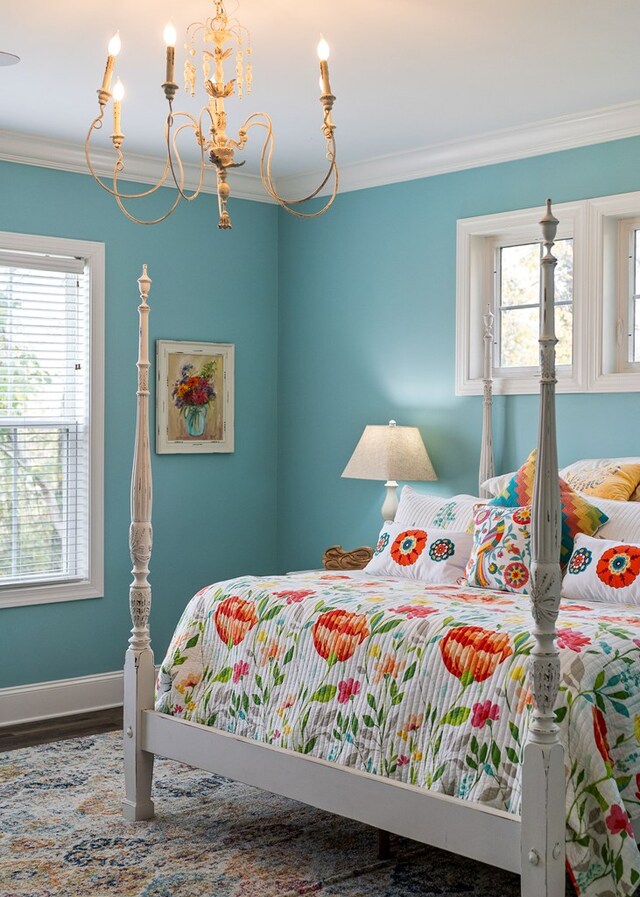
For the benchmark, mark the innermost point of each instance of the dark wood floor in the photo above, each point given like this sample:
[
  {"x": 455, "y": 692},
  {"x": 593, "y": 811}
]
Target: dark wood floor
[{"x": 27, "y": 734}]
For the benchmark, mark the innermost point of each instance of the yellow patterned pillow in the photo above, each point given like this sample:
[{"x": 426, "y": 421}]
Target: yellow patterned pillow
[{"x": 605, "y": 479}]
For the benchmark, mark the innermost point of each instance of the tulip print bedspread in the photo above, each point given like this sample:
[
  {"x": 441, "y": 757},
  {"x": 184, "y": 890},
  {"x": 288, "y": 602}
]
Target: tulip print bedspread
[{"x": 424, "y": 684}]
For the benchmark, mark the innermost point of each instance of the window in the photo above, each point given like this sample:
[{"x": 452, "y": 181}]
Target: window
[
  {"x": 518, "y": 288},
  {"x": 498, "y": 267},
  {"x": 628, "y": 324},
  {"x": 50, "y": 419},
  {"x": 614, "y": 273},
  {"x": 597, "y": 297},
  {"x": 634, "y": 299}
]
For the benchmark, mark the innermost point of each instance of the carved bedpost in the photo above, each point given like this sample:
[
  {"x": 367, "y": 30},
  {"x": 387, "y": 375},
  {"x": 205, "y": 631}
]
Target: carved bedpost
[
  {"x": 487, "y": 468},
  {"x": 543, "y": 785},
  {"x": 139, "y": 673}
]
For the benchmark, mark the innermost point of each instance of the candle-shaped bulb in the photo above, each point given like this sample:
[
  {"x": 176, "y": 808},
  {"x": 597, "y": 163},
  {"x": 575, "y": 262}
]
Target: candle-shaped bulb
[
  {"x": 323, "y": 49},
  {"x": 170, "y": 41},
  {"x": 170, "y": 35},
  {"x": 115, "y": 45},
  {"x": 118, "y": 91},
  {"x": 113, "y": 49}
]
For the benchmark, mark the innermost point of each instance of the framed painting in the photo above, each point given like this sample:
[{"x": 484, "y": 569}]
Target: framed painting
[{"x": 194, "y": 397}]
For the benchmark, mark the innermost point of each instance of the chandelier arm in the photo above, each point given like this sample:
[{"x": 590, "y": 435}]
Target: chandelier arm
[
  {"x": 119, "y": 197},
  {"x": 96, "y": 125},
  {"x": 171, "y": 141},
  {"x": 287, "y": 204},
  {"x": 267, "y": 179}
]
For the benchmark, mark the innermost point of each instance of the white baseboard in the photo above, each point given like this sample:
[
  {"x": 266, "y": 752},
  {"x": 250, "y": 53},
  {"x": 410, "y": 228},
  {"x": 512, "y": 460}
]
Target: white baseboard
[{"x": 60, "y": 697}]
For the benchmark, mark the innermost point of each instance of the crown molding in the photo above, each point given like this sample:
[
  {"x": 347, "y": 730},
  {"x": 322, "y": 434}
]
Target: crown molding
[
  {"x": 547, "y": 136},
  {"x": 29, "y": 149}
]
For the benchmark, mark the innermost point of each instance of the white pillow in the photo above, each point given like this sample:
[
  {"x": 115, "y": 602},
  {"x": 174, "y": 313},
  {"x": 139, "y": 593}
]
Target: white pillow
[
  {"x": 623, "y": 524},
  {"x": 419, "y": 509},
  {"x": 431, "y": 555},
  {"x": 593, "y": 463},
  {"x": 495, "y": 485},
  {"x": 603, "y": 570}
]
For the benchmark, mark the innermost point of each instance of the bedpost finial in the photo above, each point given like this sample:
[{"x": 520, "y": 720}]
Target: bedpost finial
[
  {"x": 144, "y": 284},
  {"x": 549, "y": 225}
]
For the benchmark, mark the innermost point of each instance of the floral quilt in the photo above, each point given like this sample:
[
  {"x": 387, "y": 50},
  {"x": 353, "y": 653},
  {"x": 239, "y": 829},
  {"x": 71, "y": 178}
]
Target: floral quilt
[{"x": 425, "y": 684}]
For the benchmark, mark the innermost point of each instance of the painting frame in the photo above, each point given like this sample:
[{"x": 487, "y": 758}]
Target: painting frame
[{"x": 189, "y": 419}]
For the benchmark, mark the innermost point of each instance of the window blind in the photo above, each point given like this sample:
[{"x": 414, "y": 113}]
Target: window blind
[{"x": 44, "y": 419}]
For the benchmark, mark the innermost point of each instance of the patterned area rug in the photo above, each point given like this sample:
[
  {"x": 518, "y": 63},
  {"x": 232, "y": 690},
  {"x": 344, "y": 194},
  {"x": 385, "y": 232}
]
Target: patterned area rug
[{"x": 62, "y": 835}]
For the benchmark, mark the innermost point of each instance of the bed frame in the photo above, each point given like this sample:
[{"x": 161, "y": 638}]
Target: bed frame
[{"x": 531, "y": 844}]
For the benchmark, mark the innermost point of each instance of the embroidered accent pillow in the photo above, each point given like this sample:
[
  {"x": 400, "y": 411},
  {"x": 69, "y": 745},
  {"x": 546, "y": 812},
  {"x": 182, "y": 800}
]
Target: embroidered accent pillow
[
  {"x": 613, "y": 478},
  {"x": 578, "y": 514},
  {"x": 431, "y": 555},
  {"x": 501, "y": 555},
  {"x": 603, "y": 570},
  {"x": 422, "y": 510}
]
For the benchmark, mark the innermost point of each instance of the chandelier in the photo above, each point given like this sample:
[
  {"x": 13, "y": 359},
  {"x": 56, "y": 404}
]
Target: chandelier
[{"x": 209, "y": 127}]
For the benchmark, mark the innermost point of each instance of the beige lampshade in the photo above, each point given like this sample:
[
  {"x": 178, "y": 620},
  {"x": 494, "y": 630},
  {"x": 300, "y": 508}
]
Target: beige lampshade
[{"x": 390, "y": 453}]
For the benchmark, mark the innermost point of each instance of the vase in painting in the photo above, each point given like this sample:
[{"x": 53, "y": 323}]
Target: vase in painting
[{"x": 195, "y": 419}]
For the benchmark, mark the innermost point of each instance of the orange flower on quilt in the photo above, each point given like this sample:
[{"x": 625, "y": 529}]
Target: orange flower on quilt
[
  {"x": 388, "y": 667},
  {"x": 619, "y": 566},
  {"x": 408, "y": 546},
  {"x": 271, "y": 651},
  {"x": 234, "y": 618},
  {"x": 337, "y": 634},
  {"x": 191, "y": 680},
  {"x": 472, "y": 653}
]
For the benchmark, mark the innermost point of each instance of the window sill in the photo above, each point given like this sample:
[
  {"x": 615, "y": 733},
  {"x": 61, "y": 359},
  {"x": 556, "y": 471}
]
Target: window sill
[
  {"x": 516, "y": 386},
  {"x": 50, "y": 594}
]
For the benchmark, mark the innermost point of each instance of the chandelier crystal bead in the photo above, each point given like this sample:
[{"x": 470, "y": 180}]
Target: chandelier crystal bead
[{"x": 221, "y": 37}]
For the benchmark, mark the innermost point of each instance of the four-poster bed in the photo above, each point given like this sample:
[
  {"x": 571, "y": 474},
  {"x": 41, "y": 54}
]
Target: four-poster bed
[{"x": 530, "y": 842}]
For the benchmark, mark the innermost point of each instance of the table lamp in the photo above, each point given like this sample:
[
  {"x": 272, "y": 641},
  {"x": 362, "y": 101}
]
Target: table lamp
[{"x": 390, "y": 453}]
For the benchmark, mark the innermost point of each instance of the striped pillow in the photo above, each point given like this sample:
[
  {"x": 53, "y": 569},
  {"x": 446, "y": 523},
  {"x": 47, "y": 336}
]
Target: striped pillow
[
  {"x": 578, "y": 515},
  {"x": 623, "y": 524}
]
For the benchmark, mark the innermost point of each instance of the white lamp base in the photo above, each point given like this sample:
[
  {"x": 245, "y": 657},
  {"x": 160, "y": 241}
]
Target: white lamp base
[{"x": 390, "y": 503}]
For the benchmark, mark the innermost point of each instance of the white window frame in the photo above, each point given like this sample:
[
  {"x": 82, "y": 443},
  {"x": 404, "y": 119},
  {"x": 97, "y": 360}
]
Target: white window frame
[
  {"x": 477, "y": 240},
  {"x": 600, "y": 295},
  {"x": 93, "y": 586},
  {"x": 627, "y": 229},
  {"x": 611, "y": 371}
]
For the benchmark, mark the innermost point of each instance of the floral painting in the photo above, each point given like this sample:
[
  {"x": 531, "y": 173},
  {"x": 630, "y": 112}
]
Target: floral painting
[{"x": 195, "y": 397}]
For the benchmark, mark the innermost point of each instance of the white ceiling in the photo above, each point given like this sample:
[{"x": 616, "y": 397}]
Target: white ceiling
[{"x": 407, "y": 74}]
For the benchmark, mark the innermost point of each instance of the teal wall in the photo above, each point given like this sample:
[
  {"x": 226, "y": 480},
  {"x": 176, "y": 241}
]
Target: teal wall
[
  {"x": 338, "y": 322},
  {"x": 215, "y": 515},
  {"x": 367, "y": 333}
]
